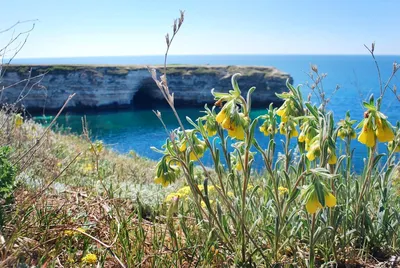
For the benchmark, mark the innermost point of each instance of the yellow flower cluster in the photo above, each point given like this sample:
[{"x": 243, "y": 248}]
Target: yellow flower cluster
[
  {"x": 199, "y": 147},
  {"x": 283, "y": 190},
  {"x": 90, "y": 258},
  {"x": 231, "y": 120},
  {"x": 288, "y": 127},
  {"x": 375, "y": 127},
  {"x": 268, "y": 129},
  {"x": 346, "y": 129},
  {"x": 310, "y": 136},
  {"x": 211, "y": 125},
  {"x": 285, "y": 110},
  {"x": 185, "y": 192},
  {"x": 290, "y": 107},
  {"x": 167, "y": 171}
]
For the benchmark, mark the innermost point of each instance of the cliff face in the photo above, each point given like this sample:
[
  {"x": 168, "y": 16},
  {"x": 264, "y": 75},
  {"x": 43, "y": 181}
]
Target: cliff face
[{"x": 99, "y": 87}]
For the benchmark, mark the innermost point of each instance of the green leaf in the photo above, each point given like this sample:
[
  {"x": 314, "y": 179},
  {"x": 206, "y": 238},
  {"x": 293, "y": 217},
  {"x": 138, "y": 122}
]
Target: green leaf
[{"x": 312, "y": 109}]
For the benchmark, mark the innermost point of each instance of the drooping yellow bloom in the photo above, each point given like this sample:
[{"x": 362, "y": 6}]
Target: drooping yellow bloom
[
  {"x": 193, "y": 157},
  {"x": 367, "y": 135},
  {"x": 226, "y": 124},
  {"x": 313, "y": 151},
  {"x": 183, "y": 147},
  {"x": 263, "y": 130},
  {"x": 90, "y": 259},
  {"x": 342, "y": 134},
  {"x": 283, "y": 112},
  {"x": 210, "y": 132},
  {"x": 267, "y": 129},
  {"x": 313, "y": 203},
  {"x": 236, "y": 132},
  {"x": 292, "y": 127},
  {"x": 330, "y": 200},
  {"x": 332, "y": 158},
  {"x": 302, "y": 137},
  {"x": 238, "y": 166},
  {"x": 383, "y": 131},
  {"x": 221, "y": 116},
  {"x": 161, "y": 180}
]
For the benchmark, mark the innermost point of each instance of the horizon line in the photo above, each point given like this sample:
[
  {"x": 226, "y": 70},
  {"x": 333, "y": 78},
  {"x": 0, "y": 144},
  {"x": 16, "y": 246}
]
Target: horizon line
[{"x": 183, "y": 55}]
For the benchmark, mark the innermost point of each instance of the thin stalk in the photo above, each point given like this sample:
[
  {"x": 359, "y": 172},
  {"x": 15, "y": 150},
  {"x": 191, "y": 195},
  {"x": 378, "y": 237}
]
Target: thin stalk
[{"x": 312, "y": 253}]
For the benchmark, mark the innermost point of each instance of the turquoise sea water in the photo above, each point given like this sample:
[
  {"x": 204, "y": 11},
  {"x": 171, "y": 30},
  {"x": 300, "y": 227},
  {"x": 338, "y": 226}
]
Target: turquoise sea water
[{"x": 139, "y": 129}]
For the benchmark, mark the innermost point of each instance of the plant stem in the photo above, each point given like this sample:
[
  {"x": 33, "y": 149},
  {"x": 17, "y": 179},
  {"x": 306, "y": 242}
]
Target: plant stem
[{"x": 312, "y": 253}]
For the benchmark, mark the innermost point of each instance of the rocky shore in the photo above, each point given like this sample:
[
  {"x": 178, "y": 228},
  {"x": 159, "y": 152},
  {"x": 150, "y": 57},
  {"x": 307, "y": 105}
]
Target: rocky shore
[{"x": 117, "y": 87}]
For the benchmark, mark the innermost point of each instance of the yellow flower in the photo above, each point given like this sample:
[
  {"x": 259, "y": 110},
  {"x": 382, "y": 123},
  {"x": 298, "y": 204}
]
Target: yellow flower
[
  {"x": 184, "y": 191},
  {"x": 230, "y": 194},
  {"x": 282, "y": 190},
  {"x": 342, "y": 133},
  {"x": 332, "y": 158},
  {"x": 238, "y": 166},
  {"x": 226, "y": 124},
  {"x": 161, "y": 180},
  {"x": 90, "y": 258},
  {"x": 292, "y": 127},
  {"x": 313, "y": 203},
  {"x": 170, "y": 197},
  {"x": 221, "y": 116},
  {"x": 330, "y": 200},
  {"x": 210, "y": 132},
  {"x": 183, "y": 147},
  {"x": 383, "y": 131},
  {"x": 69, "y": 232},
  {"x": 313, "y": 151},
  {"x": 302, "y": 137},
  {"x": 203, "y": 204},
  {"x": 282, "y": 112},
  {"x": 264, "y": 130},
  {"x": 236, "y": 132},
  {"x": 193, "y": 157},
  {"x": 367, "y": 135},
  {"x": 353, "y": 135}
]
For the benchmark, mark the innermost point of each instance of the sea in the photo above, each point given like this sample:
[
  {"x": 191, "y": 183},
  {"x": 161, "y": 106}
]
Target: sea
[{"x": 355, "y": 76}]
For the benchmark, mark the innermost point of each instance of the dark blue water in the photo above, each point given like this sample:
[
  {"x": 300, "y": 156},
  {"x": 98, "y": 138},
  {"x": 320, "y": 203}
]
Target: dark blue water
[{"x": 138, "y": 130}]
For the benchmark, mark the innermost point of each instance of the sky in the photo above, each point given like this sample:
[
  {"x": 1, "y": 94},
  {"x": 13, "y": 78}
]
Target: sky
[{"x": 85, "y": 28}]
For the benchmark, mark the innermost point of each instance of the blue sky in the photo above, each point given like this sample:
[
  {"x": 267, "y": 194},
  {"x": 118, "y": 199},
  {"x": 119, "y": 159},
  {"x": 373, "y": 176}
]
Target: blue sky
[{"x": 77, "y": 28}]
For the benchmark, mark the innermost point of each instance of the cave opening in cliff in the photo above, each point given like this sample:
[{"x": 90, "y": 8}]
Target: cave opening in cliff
[{"x": 148, "y": 96}]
